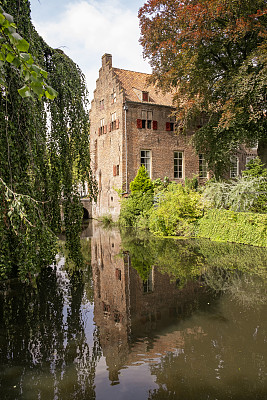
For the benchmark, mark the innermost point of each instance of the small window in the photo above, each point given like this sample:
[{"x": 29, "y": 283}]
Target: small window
[
  {"x": 170, "y": 126},
  {"x": 203, "y": 168},
  {"x": 116, "y": 170},
  {"x": 234, "y": 168},
  {"x": 113, "y": 121},
  {"x": 146, "y": 160},
  {"x": 146, "y": 118},
  {"x": 178, "y": 164},
  {"x": 113, "y": 98},
  {"x": 102, "y": 124},
  {"x": 101, "y": 104},
  {"x": 148, "y": 285},
  {"x": 249, "y": 158},
  {"x": 118, "y": 274}
]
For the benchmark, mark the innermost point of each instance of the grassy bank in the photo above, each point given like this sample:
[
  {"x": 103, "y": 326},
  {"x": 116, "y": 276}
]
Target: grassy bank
[{"x": 230, "y": 226}]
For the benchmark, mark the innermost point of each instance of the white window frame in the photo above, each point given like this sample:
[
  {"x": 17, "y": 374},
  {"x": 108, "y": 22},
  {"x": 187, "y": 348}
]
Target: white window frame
[
  {"x": 179, "y": 171},
  {"x": 145, "y": 155},
  {"x": 202, "y": 166},
  {"x": 234, "y": 168}
]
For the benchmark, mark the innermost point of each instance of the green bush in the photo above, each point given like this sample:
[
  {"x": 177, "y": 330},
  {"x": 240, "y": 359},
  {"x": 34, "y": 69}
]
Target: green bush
[
  {"x": 175, "y": 211},
  {"x": 141, "y": 183},
  {"x": 247, "y": 193},
  {"x": 134, "y": 207},
  {"x": 230, "y": 226}
]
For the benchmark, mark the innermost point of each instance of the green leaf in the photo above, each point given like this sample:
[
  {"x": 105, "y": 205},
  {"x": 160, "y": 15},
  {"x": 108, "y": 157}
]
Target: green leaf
[
  {"x": 16, "y": 37},
  {"x": 16, "y": 62},
  {"x": 25, "y": 91},
  {"x": 8, "y": 17},
  {"x": 10, "y": 57},
  {"x": 26, "y": 57},
  {"x": 50, "y": 93},
  {"x": 23, "y": 45},
  {"x": 2, "y": 18},
  {"x": 37, "y": 89},
  {"x": 44, "y": 73}
]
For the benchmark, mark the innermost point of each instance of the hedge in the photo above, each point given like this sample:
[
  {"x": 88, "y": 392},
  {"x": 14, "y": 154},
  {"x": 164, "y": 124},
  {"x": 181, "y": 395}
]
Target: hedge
[{"x": 230, "y": 226}]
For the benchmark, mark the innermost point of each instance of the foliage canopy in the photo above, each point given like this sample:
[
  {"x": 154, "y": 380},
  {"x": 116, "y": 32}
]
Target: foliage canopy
[
  {"x": 44, "y": 145},
  {"x": 212, "y": 54}
]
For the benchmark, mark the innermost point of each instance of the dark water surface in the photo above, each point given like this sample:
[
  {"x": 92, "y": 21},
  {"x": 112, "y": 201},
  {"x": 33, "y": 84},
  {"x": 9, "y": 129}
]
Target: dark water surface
[{"x": 146, "y": 318}]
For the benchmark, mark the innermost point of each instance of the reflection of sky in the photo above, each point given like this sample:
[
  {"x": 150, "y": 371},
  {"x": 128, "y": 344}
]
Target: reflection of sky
[{"x": 135, "y": 382}]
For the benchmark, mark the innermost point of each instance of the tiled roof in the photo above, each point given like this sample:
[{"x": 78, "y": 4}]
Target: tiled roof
[{"x": 134, "y": 83}]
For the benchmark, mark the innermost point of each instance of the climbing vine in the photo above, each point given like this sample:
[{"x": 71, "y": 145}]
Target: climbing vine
[{"x": 44, "y": 143}]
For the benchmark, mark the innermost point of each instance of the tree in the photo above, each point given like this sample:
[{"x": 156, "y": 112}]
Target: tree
[
  {"x": 213, "y": 55},
  {"x": 44, "y": 146}
]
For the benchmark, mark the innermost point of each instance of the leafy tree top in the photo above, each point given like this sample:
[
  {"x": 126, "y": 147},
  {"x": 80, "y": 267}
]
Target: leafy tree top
[
  {"x": 213, "y": 54},
  {"x": 141, "y": 183}
]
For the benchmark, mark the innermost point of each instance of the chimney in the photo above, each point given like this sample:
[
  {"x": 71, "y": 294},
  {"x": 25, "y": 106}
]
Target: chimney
[{"x": 107, "y": 60}]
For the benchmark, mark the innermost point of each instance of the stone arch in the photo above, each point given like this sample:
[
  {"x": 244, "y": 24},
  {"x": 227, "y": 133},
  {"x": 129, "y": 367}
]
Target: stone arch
[{"x": 85, "y": 213}]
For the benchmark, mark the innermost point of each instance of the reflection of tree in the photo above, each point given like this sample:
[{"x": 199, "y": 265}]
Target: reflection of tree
[
  {"x": 43, "y": 340},
  {"x": 221, "y": 266},
  {"x": 180, "y": 259}
]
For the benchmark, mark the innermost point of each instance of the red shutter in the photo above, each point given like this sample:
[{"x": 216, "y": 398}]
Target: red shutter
[
  {"x": 114, "y": 170},
  {"x": 105, "y": 129},
  {"x": 145, "y": 96},
  {"x": 109, "y": 127},
  {"x": 139, "y": 124},
  {"x": 168, "y": 126},
  {"x": 117, "y": 123},
  {"x": 99, "y": 131},
  {"x": 155, "y": 125}
]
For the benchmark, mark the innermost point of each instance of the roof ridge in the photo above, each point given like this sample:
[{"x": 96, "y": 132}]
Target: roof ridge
[{"x": 129, "y": 70}]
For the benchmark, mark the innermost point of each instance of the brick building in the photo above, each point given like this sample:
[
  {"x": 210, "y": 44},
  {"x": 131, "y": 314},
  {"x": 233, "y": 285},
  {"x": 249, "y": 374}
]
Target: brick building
[{"x": 131, "y": 124}]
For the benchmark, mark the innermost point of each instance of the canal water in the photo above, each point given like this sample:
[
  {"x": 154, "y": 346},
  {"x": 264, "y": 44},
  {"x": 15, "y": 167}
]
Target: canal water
[{"x": 144, "y": 319}]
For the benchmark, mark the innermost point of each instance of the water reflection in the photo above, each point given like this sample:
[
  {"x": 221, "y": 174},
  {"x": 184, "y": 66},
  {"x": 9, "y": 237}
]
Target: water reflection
[{"x": 145, "y": 318}]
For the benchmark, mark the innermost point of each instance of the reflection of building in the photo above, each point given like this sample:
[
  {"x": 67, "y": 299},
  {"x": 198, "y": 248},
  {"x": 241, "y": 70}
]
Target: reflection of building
[{"x": 135, "y": 318}]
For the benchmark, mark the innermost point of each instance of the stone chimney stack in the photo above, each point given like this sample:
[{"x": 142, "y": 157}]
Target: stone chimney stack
[{"x": 107, "y": 60}]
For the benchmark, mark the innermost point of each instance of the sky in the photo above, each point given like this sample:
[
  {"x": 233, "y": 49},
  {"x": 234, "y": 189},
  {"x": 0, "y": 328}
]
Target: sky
[{"x": 87, "y": 29}]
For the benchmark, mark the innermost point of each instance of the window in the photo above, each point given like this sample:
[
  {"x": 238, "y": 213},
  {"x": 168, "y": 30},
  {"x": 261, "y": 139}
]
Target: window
[
  {"x": 113, "y": 121},
  {"x": 234, "y": 168},
  {"x": 203, "y": 168},
  {"x": 148, "y": 285},
  {"x": 102, "y": 104},
  {"x": 146, "y": 120},
  {"x": 170, "y": 126},
  {"x": 118, "y": 274},
  {"x": 102, "y": 124},
  {"x": 113, "y": 98},
  {"x": 116, "y": 170},
  {"x": 249, "y": 158},
  {"x": 178, "y": 164},
  {"x": 146, "y": 160}
]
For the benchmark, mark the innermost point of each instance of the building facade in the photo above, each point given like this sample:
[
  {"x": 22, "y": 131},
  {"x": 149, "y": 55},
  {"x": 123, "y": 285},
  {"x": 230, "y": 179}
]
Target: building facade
[{"x": 131, "y": 124}]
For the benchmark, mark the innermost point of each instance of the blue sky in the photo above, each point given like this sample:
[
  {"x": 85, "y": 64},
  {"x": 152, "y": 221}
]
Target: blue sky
[{"x": 86, "y": 29}]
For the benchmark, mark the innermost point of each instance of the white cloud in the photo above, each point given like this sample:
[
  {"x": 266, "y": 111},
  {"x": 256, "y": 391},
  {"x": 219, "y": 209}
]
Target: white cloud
[{"x": 88, "y": 29}]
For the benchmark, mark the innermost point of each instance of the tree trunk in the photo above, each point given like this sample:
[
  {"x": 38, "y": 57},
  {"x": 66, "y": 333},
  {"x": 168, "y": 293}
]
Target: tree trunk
[{"x": 262, "y": 150}]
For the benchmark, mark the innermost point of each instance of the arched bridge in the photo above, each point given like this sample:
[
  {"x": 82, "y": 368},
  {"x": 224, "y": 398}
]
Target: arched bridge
[{"x": 87, "y": 208}]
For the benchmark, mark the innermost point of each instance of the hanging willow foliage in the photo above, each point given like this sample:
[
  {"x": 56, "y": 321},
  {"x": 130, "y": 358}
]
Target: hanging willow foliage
[{"x": 44, "y": 156}]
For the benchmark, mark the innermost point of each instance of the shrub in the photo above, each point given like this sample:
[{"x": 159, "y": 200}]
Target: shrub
[
  {"x": 248, "y": 193},
  {"x": 141, "y": 183},
  {"x": 135, "y": 206},
  {"x": 175, "y": 211},
  {"x": 230, "y": 226}
]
